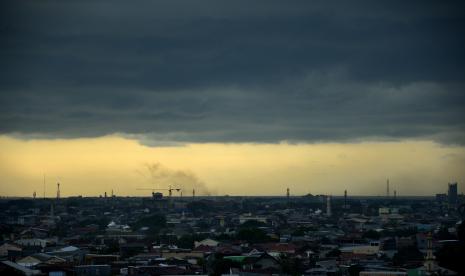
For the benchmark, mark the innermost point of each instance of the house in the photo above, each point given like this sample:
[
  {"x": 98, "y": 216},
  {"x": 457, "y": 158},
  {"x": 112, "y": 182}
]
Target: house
[
  {"x": 276, "y": 249},
  {"x": 8, "y": 247},
  {"x": 69, "y": 253},
  {"x": 32, "y": 242},
  {"x": 248, "y": 217},
  {"x": 256, "y": 263},
  {"x": 96, "y": 259},
  {"x": 156, "y": 270},
  {"x": 204, "y": 249},
  {"x": 263, "y": 263},
  {"x": 91, "y": 270},
  {"x": 182, "y": 254},
  {"x": 206, "y": 242},
  {"x": 34, "y": 232},
  {"x": 360, "y": 251},
  {"x": 39, "y": 258},
  {"x": 383, "y": 273},
  {"x": 11, "y": 268}
]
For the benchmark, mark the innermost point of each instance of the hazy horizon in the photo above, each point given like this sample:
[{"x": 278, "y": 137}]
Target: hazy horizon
[{"x": 99, "y": 165}]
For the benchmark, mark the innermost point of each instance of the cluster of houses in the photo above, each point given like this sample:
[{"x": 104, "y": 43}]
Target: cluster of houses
[{"x": 310, "y": 235}]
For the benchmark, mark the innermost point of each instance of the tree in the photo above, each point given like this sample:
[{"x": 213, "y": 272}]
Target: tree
[
  {"x": 252, "y": 224},
  {"x": 451, "y": 255},
  {"x": 155, "y": 222},
  {"x": 333, "y": 253},
  {"x": 186, "y": 241},
  {"x": 371, "y": 235},
  {"x": 218, "y": 265},
  {"x": 461, "y": 232},
  {"x": 443, "y": 234},
  {"x": 354, "y": 270},
  {"x": 406, "y": 254},
  {"x": 198, "y": 207},
  {"x": 252, "y": 235},
  {"x": 290, "y": 266}
]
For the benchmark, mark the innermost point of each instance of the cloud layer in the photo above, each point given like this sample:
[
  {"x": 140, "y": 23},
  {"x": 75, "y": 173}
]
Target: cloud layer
[{"x": 212, "y": 71}]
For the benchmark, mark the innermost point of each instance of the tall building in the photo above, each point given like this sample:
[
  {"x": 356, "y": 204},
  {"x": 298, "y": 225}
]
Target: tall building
[
  {"x": 328, "y": 206},
  {"x": 430, "y": 263},
  {"x": 452, "y": 194},
  {"x": 345, "y": 199}
]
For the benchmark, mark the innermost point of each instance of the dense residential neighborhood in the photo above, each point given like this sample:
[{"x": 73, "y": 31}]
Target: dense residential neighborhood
[{"x": 306, "y": 235}]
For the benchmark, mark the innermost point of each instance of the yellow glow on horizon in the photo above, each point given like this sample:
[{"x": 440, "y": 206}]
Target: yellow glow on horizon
[{"x": 91, "y": 166}]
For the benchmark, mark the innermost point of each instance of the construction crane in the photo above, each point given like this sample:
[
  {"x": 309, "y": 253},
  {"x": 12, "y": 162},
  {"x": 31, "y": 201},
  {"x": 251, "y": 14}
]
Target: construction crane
[{"x": 170, "y": 190}]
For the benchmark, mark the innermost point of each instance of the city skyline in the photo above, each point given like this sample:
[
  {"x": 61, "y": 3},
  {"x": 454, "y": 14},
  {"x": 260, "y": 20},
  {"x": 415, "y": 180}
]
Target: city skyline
[
  {"x": 234, "y": 169},
  {"x": 210, "y": 137}
]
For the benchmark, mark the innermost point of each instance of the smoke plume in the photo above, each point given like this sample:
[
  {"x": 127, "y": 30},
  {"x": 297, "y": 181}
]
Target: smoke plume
[{"x": 162, "y": 178}]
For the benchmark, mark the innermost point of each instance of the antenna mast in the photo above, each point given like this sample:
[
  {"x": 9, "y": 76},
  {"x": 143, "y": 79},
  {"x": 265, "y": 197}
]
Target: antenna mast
[{"x": 387, "y": 188}]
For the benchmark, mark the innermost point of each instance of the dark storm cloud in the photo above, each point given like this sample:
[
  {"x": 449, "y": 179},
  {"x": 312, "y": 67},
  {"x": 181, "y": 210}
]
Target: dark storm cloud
[{"x": 233, "y": 71}]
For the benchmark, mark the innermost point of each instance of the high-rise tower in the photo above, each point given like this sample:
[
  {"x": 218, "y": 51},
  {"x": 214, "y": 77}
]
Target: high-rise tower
[
  {"x": 58, "y": 190},
  {"x": 430, "y": 263},
  {"x": 328, "y": 206},
  {"x": 452, "y": 194},
  {"x": 345, "y": 199}
]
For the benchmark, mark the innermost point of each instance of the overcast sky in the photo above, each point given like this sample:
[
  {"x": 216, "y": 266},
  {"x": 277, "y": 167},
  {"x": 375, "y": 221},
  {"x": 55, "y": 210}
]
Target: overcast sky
[
  {"x": 244, "y": 97},
  {"x": 233, "y": 71}
]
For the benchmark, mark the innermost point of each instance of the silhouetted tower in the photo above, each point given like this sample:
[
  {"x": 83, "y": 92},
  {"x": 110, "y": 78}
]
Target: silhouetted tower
[
  {"x": 430, "y": 263},
  {"x": 328, "y": 206},
  {"x": 105, "y": 195},
  {"x": 287, "y": 195},
  {"x": 387, "y": 188},
  {"x": 34, "y": 195},
  {"x": 58, "y": 190},
  {"x": 112, "y": 194},
  {"x": 345, "y": 199},
  {"x": 193, "y": 193}
]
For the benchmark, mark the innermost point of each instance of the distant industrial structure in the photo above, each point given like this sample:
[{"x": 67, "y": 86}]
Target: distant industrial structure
[
  {"x": 170, "y": 191},
  {"x": 58, "y": 190}
]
